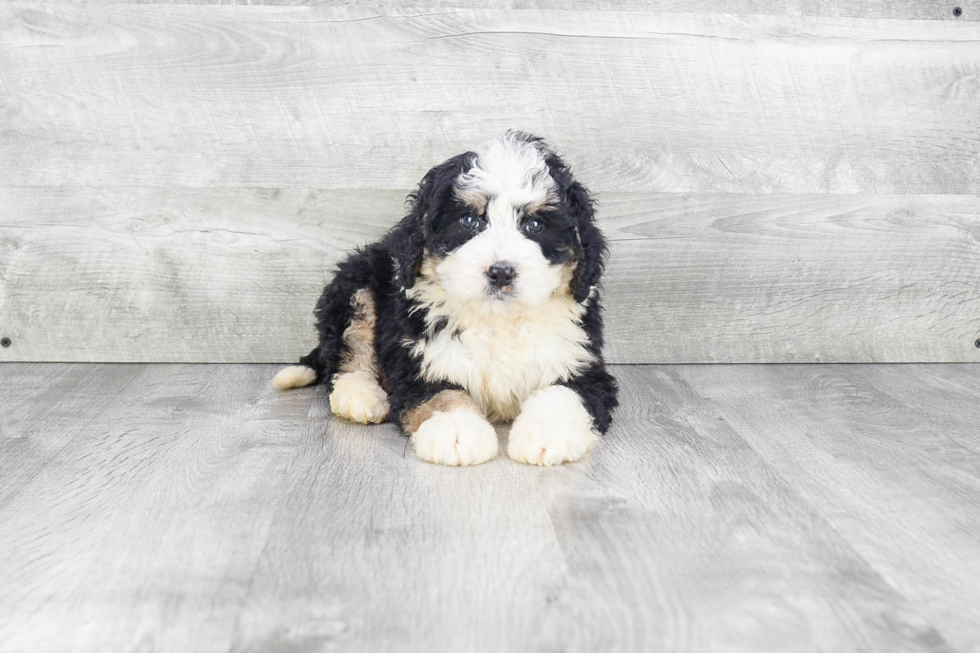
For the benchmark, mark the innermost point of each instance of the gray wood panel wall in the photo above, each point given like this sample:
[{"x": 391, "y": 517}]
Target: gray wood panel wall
[{"x": 781, "y": 181}]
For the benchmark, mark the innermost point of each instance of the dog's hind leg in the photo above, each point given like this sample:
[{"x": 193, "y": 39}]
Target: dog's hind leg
[{"x": 357, "y": 395}]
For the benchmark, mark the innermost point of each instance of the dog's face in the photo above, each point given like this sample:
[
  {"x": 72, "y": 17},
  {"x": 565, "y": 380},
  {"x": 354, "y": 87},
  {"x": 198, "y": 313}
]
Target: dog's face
[{"x": 503, "y": 227}]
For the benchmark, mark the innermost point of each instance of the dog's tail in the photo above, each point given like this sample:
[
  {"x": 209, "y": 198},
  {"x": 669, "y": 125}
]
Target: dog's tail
[{"x": 297, "y": 376}]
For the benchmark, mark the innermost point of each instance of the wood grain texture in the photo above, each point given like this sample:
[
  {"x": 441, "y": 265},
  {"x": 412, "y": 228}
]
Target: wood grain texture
[
  {"x": 729, "y": 509},
  {"x": 341, "y": 97},
  {"x": 678, "y": 536},
  {"x": 942, "y": 10},
  {"x": 231, "y": 275},
  {"x": 171, "y": 275},
  {"x": 786, "y": 182},
  {"x": 966, "y": 376},
  {"x": 883, "y": 465},
  {"x": 45, "y": 407},
  {"x": 373, "y": 550},
  {"x": 142, "y": 529},
  {"x": 928, "y": 395},
  {"x": 796, "y": 279}
]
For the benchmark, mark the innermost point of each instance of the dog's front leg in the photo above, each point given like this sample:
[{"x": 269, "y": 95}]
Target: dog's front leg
[
  {"x": 553, "y": 427},
  {"x": 449, "y": 429},
  {"x": 560, "y": 423}
]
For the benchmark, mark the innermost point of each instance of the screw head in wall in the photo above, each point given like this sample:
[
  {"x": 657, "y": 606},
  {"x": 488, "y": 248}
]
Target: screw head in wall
[
  {"x": 5, "y": 342},
  {"x": 977, "y": 343},
  {"x": 957, "y": 11}
]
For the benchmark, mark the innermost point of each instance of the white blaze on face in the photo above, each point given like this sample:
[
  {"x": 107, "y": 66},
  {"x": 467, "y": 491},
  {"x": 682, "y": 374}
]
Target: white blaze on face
[
  {"x": 500, "y": 347},
  {"x": 510, "y": 176}
]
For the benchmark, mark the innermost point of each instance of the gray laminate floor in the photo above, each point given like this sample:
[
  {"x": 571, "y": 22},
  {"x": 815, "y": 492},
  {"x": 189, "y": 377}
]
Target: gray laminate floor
[{"x": 731, "y": 508}]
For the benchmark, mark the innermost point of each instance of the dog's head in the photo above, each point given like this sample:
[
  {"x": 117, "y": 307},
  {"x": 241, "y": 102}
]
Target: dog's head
[{"x": 503, "y": 226}]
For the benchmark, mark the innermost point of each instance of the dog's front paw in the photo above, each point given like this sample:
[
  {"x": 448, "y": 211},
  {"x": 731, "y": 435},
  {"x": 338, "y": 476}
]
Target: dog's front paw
[
  {"x": 455, "y": 437},
  {"x": 553, "y": 428},
  {"x": 358, "y": 397}
]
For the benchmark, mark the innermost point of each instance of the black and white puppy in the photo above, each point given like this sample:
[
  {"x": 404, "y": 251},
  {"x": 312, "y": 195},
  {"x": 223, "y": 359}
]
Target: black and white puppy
[{"x": 480, "y": 306}]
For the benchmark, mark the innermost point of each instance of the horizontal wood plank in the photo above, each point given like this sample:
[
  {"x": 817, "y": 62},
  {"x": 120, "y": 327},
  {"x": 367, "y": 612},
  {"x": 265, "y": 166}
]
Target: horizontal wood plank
[
  {"x": 163, "y": 156},
  {"x": 341, "y": 97},
  {"x": 231, "y": 275},
  {"x": 941, "y": 10}
]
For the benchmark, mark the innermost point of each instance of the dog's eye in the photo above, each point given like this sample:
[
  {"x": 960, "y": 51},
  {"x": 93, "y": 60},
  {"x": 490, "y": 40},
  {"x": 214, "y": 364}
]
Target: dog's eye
[
  {"x": 533, "y": 226},
  {"x": 469, "y": 222}
]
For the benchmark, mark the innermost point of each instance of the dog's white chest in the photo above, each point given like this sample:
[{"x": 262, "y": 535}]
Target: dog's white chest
[{"x": 501, "y": 360}]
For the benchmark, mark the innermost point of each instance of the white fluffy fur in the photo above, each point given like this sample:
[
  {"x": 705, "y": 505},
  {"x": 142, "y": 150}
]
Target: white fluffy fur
[
  {"x": 553, "y": 428},
  {"x": 500, "y": 359},
  {"x": 510, "y": 169},
  {"x": 294, "y": 376},
  {"x": 506, "y": 346},
  {"x": 463, "y": 273},
  {"x": 509, "y": 176},
  {"x": 455, "y": 437},
  {"x": 358, "y": 397}
]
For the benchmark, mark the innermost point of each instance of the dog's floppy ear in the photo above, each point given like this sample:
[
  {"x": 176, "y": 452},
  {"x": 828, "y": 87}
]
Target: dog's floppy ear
[
  {"x": 408, "y": 238},
  {"x": 591, "y": 250},
  {"x": 592, "y": 259}
]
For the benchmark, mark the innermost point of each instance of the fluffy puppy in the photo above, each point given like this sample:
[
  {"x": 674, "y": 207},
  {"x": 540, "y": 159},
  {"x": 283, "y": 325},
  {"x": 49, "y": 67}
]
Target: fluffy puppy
[{"x": 480, "y": 306}]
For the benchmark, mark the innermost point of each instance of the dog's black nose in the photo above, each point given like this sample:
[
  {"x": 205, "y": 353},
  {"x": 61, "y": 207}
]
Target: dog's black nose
[{"x": 501, "y": 274}]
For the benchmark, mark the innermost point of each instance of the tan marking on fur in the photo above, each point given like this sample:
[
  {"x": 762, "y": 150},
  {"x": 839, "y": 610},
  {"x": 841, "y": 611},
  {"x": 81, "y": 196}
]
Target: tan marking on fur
[
  {"x": 478, "y": 201},
  {"x": 473, "y": 199},
  {"x": 359, "y": 336},
  {"x": 428, "y": 267},
  {"x": 357, "y": 394},
  {"x": 445, "y": 401},
  {"x": 567, "y": 275},
  {"x": 546, "y": 202}
]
